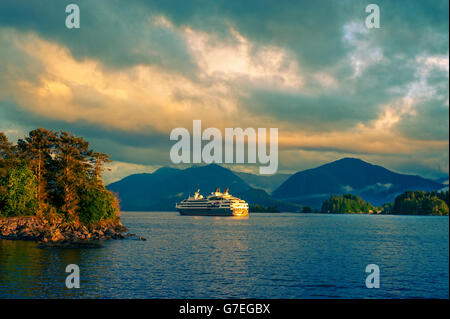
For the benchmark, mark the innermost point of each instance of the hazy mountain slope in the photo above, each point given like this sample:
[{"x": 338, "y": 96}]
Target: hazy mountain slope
[
  {"x": 373, "y": 183},
  {"x": 167, "y": 186},
  {"x": 162, "y": 189},
  {"x": 442, "y": 180},
  {"x": 266, "y": 182},
  {"x": 141, "y": 190},
  {"x": 258, "y": 196}
]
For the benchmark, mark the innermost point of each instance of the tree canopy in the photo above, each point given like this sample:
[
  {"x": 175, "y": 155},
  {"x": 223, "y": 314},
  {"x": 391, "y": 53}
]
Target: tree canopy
[
  {"x": 54, "y": 174},
  {"x": 346, "y": 203},
  {"x": 408, "y": 203},
  {"x": 421, "y": 203}
]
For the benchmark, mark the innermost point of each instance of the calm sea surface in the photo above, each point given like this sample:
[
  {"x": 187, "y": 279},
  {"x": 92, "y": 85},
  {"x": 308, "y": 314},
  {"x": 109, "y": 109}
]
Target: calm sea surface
[{"x": 262, "y": 256}]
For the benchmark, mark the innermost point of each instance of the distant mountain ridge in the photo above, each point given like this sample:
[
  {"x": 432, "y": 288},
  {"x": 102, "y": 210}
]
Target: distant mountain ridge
[
  {"x": 160, "y": 190},
  {"x": 373, "y": 183},
  {"x": 266, "y": 182},
  {"x": 442, "y": 180},
  {"x": 167, "y": 186}
]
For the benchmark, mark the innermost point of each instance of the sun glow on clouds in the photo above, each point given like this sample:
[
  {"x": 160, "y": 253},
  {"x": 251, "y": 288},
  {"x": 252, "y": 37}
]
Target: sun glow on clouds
[
  {"x": 132, "y": 99},
  {"x": 361, "y": 139},
  {"x": 136, "y": 98},
  {"x": 364, "y": 53},
  {"x": 416, "y": 92},
  {"x": 426, "y": 65},
  {"x": 430, "y": 62},
  {"x": 147, "y": 98},
  {"x": 116, "y": 170},
  {"x": 243, "y": 59}
]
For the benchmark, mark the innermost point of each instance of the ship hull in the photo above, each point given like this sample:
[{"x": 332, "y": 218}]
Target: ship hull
[{"x": 212, "y": 212}]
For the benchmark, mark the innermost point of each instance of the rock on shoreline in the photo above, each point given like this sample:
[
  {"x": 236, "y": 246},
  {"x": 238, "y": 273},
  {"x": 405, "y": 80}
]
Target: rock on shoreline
[{"x": 58, "y": 234}]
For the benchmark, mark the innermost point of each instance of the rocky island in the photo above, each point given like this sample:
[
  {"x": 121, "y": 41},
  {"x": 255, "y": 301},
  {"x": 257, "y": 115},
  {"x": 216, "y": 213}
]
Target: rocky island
[
  {"x": 51, "y": 191},
  {"x": 58, "y": 234},
  {"x": 409, "y": 203}
]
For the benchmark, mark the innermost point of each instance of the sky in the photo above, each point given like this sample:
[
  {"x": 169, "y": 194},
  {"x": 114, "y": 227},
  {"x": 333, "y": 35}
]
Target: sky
[{"x": 135, "y": 70}]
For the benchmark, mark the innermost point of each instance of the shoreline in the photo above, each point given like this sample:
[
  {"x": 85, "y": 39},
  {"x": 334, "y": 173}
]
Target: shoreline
[
  {"x": 32, "y": 228},
  {"x": 281, "y": 212}
]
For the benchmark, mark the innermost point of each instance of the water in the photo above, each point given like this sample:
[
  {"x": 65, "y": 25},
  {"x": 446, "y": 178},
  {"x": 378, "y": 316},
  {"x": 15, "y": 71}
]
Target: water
[{"x": 263, "y": 256}]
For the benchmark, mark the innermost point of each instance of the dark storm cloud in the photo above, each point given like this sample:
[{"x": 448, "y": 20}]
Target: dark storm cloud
[
  {"x": 314, "y": 29},
  {"x": 10, "y": 112},
  {"x": 120, "y": 34},
  {"x": 355, "y": 100},
  {"x": 429, "y": 122}
]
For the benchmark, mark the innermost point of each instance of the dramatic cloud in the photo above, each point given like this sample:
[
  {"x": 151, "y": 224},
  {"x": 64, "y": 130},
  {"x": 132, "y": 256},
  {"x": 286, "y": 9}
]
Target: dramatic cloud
[
  {"x": 266, "y": 64},
  {"x": 135, "y": 70}
]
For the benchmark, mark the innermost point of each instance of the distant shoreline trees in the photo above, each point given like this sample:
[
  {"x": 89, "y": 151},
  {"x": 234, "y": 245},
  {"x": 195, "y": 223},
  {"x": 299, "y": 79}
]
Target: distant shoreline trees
[
  {"x": 408, "y": 203},
  {"x": 346, "y": 204},
  {"x": 421, "y": 203},
  {"x": 257, "y": 208},
  {"x": 54, "y": 175}
]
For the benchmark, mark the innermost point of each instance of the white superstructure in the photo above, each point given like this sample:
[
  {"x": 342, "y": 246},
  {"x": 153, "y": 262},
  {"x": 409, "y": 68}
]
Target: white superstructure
[{"x": 216, "y": 204}]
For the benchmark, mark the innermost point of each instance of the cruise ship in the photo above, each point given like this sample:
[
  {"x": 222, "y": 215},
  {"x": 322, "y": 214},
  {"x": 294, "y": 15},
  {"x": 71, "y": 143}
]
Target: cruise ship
[{"x": 216, "y": 204}]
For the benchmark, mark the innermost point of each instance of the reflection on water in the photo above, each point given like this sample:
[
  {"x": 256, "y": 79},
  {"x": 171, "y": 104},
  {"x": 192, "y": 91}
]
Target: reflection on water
[
  {"x": 27, "y": 271},
  {"x": 261, "y": 256}
]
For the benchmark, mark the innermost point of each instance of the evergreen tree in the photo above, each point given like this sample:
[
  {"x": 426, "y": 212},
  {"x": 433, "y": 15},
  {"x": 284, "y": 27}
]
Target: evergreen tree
[
  {"x": 7, "y": 159},
  {"x": 97, "y": 204},
  {"x": 20, "y": 196},
  {"x": 306, "y": 209},
  {"x": 346, "y": 203},
  {"x": 421, "y": 203},
  {"x": 71, "y": 171},
  {"x": 51, "y": 173},
  {"x": 36, "y": 149},
  {"x": 98, "y": 161}
]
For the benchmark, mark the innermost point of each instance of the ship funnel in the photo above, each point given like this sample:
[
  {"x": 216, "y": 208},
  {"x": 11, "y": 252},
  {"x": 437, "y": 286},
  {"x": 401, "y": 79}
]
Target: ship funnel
[
  {"x": 226, "y": 190},
  {"x": 217, "y": 189}
]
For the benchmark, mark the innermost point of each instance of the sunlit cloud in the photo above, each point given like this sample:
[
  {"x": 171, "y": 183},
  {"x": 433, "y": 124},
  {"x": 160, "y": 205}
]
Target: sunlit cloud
[
  {"x": 364, "y": 52},
  {"x": 241, "y": 59},
  {"x": 131, "y": 99},
  {"x": 367, "y": 94},
  {"x": 117, "y": 170}
]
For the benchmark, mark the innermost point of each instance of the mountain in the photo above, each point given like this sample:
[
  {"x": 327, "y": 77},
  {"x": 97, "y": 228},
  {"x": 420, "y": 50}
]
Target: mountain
[
  {"x": 167, "y": 186},
  {"x": 442, "y": 180},
  {"x": 266, "y": 182},
  {"x": 373, "y": 183},
  {"x": 255, "y": 196},
  {"x": 137, "y": 191}
]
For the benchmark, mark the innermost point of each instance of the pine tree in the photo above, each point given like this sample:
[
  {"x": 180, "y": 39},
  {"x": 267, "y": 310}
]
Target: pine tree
[
  {"x": 54, "y": 175},
  {"x": 6, "y": 163},
  {"x": 72, "y": 167},
  {"x": 98, "y": 161},
  {"x": 36, "y": 149},
  {"x": 20, "y": 196}
]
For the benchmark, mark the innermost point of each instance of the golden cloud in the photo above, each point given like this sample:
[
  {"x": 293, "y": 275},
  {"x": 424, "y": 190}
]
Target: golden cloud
[{"x": 147, "y": 98}]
